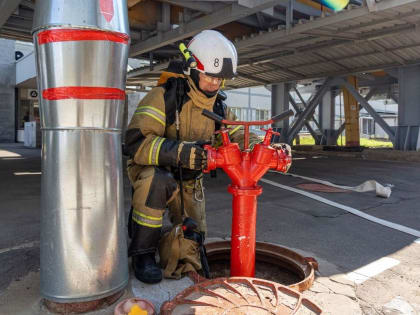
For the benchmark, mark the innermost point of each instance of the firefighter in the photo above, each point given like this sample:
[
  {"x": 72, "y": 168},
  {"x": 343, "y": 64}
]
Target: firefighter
[{"x": 166, "y": 131}]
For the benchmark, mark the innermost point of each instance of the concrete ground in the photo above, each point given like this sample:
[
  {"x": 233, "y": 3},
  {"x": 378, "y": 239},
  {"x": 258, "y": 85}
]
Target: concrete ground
[{"x": 365, "y": 268}]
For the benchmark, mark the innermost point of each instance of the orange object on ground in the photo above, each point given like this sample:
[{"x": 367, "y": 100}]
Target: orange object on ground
[
  {"x": 137, "y": 310},
  {"x": 135, "y": 306}
]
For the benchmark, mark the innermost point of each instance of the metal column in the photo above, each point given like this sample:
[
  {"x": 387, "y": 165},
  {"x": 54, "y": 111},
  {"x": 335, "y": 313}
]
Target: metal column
[
  {"x": 408, "y": 130},
  {"x": 279, "y": 104},
  {"x": 327, "y": 118},
  {"x": 351, "y": 113},
  {"x": 82, "y": 49}
]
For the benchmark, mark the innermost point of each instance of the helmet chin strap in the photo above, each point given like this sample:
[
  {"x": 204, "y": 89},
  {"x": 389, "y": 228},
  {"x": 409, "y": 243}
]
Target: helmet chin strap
[{"x": 195, "y": 76}]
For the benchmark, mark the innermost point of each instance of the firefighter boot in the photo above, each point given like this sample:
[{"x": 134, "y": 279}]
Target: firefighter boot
[
  {"x": 146, "y": 269},
  {"x": 142, "y": 249}
]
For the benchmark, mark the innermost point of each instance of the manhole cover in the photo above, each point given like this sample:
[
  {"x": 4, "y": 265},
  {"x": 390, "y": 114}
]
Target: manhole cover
[
  {"x": 321, "y": 188},
  {"x": 239, "y": 296}
]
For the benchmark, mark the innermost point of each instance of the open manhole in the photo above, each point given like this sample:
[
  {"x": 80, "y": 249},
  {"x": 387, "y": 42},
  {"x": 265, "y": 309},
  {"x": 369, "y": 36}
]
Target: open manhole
[
  {"x": 272, "y": 262},
  {"x": 239, "y": 296}
]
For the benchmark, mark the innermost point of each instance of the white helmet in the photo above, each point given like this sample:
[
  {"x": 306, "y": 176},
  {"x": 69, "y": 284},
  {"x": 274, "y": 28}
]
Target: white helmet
[{"x": 215, "y": 54}]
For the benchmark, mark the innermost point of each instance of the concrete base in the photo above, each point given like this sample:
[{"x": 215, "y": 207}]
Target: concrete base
[
  {"x": 82, "y": 307},
  {"x": 160, "y": 292}
]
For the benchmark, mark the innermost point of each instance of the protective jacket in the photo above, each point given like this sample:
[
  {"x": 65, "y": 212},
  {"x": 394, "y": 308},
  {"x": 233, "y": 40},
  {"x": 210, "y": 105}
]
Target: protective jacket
[{"x": 151, "y": 133}]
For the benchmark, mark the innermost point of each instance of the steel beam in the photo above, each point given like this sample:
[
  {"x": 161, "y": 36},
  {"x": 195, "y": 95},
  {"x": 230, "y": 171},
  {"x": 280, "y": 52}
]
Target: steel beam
[
  {"x": 7, "y": 7},
  {"x": 300, "y": 28},
  {"x": 334, "y": 61},
  {"x": 371, "y": 93},
  {"x": 285, "y": 70},
  {"x": 131, "y": 3},
  {"x": 28, "y": 3},
  {"x": 381, "y": 122},
  {"x": 326, "y": 60},
  {"x": 326, "y": 21},
  {"x": 394, "y": 97},
  {"x": 228, "y": 14},
  {"x": 289, "y": 14},
  {"x": 146, "y": 70},
  {"x": 389, "y": 4},
  {"x": 298, "y": 123},
  {"x": 390, "y": 31},
  {"x": 306, "y": 9},
  {"x": 280, "y": 102},
  {"x": 299, "y": 112},
  {"x": 371, "y": 4},
  {"x": 305, "y": 105},
  {"x": 252, "y": 77},
  {"x": 394, "y": 56},
  {"x": 201, "y": 6},
  {"x": 18, "y": 23}
]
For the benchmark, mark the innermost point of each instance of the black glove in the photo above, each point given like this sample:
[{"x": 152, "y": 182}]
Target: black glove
[{"x": 191, "y": 155}]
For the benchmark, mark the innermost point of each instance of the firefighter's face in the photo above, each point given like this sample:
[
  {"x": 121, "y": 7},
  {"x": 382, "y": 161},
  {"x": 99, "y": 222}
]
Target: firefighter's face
[{"x": 208, "y": 83}]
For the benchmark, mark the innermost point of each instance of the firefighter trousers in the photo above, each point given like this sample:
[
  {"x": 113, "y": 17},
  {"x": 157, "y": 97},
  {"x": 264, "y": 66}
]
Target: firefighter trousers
[{"x": 156, "y": 189}]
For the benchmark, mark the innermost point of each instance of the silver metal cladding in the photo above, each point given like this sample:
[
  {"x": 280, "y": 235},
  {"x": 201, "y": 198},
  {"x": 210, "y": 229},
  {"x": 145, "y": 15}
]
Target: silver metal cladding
[
  {"x": 82, "y": 51},
  {"x": 76, "y": 114},
  {"x": 101, "y": 14},
  {"x": 83, "y": 63},
  {"x": 83, "y": 252}
]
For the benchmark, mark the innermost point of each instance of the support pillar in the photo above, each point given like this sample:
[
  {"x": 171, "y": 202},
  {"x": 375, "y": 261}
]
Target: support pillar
[
  {"x": 82, "y": 51},
  {"x": 351, "y": 114},
  {"x": 327, "y": 118},
  {"x": 408, "y": 134},
  {"x": 7, "y": 91},
  {"x": 279, "y": 104}
]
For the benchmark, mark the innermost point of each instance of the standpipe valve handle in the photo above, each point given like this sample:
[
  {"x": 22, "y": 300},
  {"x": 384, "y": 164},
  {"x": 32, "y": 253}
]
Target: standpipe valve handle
[{"x": 246, "y": 124}]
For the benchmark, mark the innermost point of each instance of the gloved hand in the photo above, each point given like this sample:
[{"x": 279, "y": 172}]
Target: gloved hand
[
  {"x": 283, "y": 146},
  {"x": 286, "y": 149},
  {"x": 191, "y": 155}
]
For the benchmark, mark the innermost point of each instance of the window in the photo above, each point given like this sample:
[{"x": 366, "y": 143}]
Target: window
[
  {"x": 367, "y": 126},
  {"x": 261, "y": 114},
  {"x": 237, "y": 111}
]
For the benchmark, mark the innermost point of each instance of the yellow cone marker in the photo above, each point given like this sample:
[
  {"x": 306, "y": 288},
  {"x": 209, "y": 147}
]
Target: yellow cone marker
[{"x": 137, "y": 310}]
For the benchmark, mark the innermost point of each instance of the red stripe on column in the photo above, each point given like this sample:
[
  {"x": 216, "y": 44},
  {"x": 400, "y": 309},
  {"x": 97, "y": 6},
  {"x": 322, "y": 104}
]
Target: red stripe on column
[
  {"x": 65, "y": 35},
  {"x": 83, "y": 92}
]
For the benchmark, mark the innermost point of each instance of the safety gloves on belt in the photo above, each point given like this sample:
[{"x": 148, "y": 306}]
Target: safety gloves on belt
[{"x": 190, "y": 155}]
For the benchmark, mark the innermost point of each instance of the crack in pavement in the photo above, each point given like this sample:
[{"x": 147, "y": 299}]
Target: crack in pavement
[
  {"x": 331, "y": 291},
  {"x": 371, "y": 306}
]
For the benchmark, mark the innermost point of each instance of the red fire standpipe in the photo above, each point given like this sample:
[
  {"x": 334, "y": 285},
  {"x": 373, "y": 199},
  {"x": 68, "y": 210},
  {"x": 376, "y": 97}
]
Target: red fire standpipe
[
  {"x": 82, "y": 51},
  {"x": 245, "y": 168}
]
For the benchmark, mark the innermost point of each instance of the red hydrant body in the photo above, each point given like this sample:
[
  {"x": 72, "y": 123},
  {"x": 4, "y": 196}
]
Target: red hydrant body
[{"x": 245, "y": 168}]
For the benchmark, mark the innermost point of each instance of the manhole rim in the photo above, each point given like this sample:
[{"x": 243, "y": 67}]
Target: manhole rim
[{"x": 305, "y": 266}]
